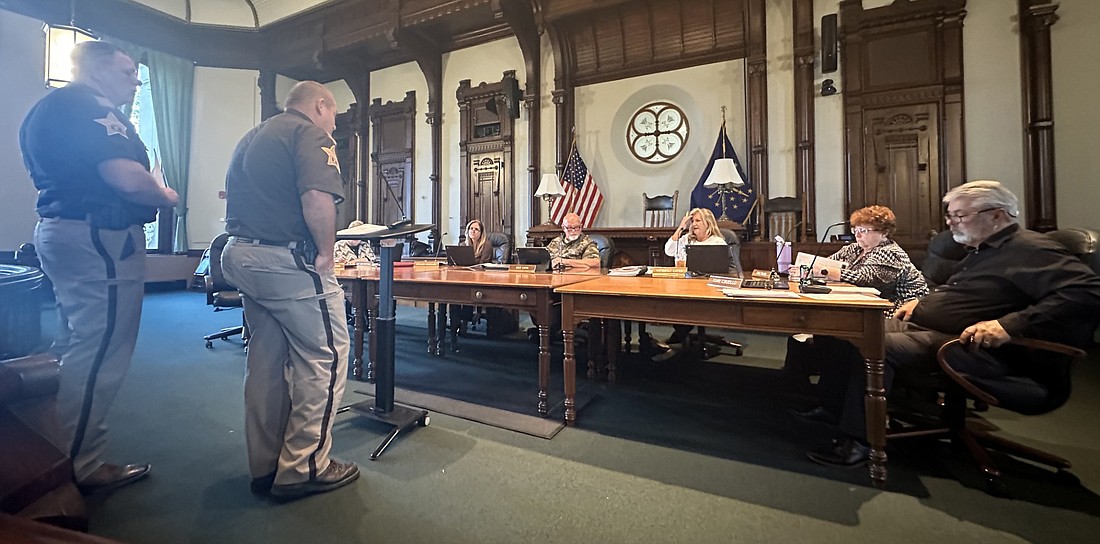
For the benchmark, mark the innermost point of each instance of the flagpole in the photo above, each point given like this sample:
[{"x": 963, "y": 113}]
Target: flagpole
[{"x": 573, "y": 194}]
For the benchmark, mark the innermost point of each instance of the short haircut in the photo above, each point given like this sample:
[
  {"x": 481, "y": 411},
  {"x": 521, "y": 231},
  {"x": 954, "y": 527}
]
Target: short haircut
[
  {"x": 304, "y": 92},
  {"x": 879, "y": 218},
  {"x": 88, "y": 54},
  {"x": 355, "y": 223},
  {"x": 986, "y": 193},
  {"x": 573, "y": 216}
]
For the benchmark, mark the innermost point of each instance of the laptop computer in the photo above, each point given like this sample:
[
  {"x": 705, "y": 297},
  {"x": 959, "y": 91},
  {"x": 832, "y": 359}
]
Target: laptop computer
[
  {"x": 707, "y": 259},
  {"x": 534, "y": 255},
  {"x": 461, "y": 255}
]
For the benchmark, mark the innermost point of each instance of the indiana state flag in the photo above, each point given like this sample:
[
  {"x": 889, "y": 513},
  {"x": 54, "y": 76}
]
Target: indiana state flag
[{"x": 739, "y": 202}]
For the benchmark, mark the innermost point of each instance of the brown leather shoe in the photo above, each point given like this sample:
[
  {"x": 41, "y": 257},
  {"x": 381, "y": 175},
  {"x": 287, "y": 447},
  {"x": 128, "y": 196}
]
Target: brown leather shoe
[
  {"x": 108, "y": 477},
  {"x": 336, "y": 475}
]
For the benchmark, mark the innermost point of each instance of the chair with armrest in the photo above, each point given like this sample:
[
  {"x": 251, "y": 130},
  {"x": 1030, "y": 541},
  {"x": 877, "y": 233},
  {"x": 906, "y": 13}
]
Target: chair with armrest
[
  {"x": 498, "y": 321},
  {"x": 709, "y": 345},
  {"x": 221, "y": 295},
  {"x": 659, "y": 210},
  {"x": 606, "y": 247},
  {"x": 1045, "y": 387},
  {"x": 37, "y": 479},
  {"x": 502, "y": 247}
]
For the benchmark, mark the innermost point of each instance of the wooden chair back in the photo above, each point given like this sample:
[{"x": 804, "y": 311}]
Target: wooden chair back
[{"x": 660, "y": 210}]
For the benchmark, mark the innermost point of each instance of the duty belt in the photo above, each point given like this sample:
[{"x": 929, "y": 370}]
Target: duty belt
[{"x": 259, "y": 242}]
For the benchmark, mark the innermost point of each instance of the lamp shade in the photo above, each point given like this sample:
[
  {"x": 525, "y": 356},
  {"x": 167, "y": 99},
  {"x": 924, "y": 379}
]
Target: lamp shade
[
  {"x": 60, "y": 40},
  {"x": 723, "y": 172},
  {"x": 549, "y": 186}
]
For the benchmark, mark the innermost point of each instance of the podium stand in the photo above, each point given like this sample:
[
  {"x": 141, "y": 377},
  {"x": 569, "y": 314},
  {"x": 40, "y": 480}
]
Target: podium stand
[{"x": 382, "y": 408}]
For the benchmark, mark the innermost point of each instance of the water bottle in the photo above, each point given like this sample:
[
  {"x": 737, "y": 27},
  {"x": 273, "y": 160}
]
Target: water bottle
[{"x": 783, "y": 256}]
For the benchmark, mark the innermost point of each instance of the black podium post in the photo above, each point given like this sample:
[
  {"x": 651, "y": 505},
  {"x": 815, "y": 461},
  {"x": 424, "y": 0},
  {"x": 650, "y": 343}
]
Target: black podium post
[{"x": 383, "y": 408}]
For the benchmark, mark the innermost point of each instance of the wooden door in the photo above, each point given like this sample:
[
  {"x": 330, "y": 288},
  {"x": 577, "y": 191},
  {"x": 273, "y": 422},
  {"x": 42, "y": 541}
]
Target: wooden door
[{"x": 901, "y": 169}]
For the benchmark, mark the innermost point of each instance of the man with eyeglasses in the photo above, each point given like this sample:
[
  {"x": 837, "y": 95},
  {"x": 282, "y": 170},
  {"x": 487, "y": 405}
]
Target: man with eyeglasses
[
  {"x": 1012, "y": 282},
  {"x": 573, "y": 249}
]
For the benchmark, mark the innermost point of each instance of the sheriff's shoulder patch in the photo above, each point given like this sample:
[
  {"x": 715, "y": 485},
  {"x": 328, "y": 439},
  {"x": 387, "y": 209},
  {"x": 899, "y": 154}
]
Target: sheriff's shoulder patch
[
  {"x": 113, "y": 125},
  {"x": 330, "y": 152}
]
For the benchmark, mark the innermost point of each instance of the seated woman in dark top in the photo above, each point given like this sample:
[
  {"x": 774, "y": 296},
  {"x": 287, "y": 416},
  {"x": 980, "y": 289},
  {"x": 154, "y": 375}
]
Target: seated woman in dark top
[
  {"x": 483, "y": 253},
  {"x": 874, "y": 260}
]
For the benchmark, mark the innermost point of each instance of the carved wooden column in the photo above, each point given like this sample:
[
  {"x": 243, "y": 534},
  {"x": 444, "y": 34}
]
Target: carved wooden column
[
  {"x": 521, "y": 19},
  {"x": 1036, "y": 18},
  {"x": 757, "y": 64},
  {"x": 268, "y": 106},
  {"x": 804, "y": 115},
  {"x": 359, "y": 83}
]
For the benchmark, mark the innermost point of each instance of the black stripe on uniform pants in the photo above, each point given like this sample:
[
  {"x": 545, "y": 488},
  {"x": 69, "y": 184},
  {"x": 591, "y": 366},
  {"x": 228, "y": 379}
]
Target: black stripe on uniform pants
[
  {"x": 326, "y": 319},
  {"x": 101, "y": 353}
]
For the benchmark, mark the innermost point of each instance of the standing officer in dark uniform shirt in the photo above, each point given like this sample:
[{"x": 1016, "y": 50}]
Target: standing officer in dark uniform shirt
[
  {"x": 282, "y": 189},
  {"x": 94, "y": 194},
  {"x": 1013, "y": 282}
]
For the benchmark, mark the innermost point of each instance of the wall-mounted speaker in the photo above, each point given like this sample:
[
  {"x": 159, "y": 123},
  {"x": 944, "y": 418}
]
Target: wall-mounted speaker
[
  {"x": 513, "y": 96},
  {"x": 828, "y": 43}
]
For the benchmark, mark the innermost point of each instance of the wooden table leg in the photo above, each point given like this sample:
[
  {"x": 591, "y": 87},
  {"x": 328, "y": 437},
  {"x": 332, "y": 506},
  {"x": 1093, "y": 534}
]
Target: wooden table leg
[
  {"x": 431, "y": 328},
  {"x": 544, "y": 367},
  {"x": 875, "y": 407},
  {"x": 612, "y": 342},
  {"x": 595, "y": 329},
  {"x": 569, "y": 367},
  {"x": 359, "y": 304}
]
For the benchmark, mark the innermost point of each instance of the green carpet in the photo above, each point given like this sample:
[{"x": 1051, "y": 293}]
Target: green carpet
[{"x": 675, "y": 452}]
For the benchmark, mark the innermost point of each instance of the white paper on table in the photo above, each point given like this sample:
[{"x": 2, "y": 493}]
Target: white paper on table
[
  {"x": 841, "y": 297},
  {"x": 365, "y": 229},
  {"x": 804, "y": 259},
  {"x": 855, "y": 289},
  {"x": 759, "y": 293}
]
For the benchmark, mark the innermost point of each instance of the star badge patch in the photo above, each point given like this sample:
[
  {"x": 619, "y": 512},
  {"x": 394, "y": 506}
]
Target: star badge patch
[
  {"x": 113, "y": 125},
  {"x": 331, "y": 153}
]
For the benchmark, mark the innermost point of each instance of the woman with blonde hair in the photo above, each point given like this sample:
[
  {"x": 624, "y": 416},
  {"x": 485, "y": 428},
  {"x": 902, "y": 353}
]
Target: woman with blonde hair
[{"x": 700, "y": 227}]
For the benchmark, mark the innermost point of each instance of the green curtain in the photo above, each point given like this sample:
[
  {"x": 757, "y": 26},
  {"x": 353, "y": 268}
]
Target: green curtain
[{"x": 172, "y": 82}]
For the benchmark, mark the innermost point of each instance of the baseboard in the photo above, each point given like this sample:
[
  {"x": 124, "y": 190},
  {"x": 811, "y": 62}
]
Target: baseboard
[{"x": 170, "y": 268}]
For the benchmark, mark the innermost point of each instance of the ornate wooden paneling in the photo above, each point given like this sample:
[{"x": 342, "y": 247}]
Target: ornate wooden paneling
[
  {"x": 902, "y": 66},
  {"x": 487, "y": 151},
  {"x": 393, "y": 126},
  {"x": 628, "y": 39},
  {"x": 804, "y": 55}
]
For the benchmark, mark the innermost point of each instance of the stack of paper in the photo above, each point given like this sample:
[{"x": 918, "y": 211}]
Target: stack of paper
[{"x": 366, "y": 229}]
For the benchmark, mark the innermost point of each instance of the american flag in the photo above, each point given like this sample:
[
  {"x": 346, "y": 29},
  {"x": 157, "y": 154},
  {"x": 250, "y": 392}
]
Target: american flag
[{"x": 582, "y": 196}]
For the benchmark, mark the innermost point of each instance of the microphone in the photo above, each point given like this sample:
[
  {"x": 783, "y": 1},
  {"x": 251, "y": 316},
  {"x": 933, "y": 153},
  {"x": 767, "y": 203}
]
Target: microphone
[
  {"x": 807, "y": 284},
  {"x": 400, "y": 208}
]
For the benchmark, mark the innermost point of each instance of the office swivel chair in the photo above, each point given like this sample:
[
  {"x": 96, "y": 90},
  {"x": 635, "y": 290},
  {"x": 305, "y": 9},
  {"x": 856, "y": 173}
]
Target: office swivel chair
[
  {"x": 1041, "y": 388},
  {"x": 221, "y": 295},
  {"x": 710, "y": 345}
]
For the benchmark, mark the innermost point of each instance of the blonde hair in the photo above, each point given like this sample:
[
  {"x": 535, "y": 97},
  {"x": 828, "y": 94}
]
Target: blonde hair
[{"x": 708, "y": 220}]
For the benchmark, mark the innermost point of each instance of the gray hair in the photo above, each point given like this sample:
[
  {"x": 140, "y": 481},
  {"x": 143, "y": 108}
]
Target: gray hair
[
  {"x": 86, "y": 55},
  {"x": 986, "y": 193}
]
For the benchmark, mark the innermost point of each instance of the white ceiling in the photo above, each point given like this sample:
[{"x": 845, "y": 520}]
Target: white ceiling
[{"x": 236, "y": 13}]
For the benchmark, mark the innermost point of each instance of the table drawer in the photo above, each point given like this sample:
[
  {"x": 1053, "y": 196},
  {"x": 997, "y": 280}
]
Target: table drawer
[
  {"x": 509, "y": 297},
  {"x": 820, "y": 320}
]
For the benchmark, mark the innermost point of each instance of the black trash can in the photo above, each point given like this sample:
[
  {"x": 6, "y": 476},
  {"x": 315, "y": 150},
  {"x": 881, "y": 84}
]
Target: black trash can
[{"x": 21, "y": 296}]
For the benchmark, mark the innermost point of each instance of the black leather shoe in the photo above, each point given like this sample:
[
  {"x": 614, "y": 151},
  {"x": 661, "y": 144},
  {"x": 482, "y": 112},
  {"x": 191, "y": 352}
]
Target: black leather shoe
[
  {"x": 262, "y": 486},
  {"x": 337, "y": 475},
  {"x": 817, "y": 414},
  {"x": 108, "y": 477},
  {"x": 846, "y": 453}
]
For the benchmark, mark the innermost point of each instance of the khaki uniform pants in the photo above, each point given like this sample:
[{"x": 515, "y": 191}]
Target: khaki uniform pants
[
  {"x": 99, "y": 280},
  {"x": 297, "y": 359}
]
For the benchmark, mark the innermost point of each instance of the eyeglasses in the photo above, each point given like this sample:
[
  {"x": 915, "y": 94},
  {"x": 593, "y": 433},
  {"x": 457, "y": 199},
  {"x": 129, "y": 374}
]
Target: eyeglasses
[
  {"x": 863, "y": 230},
  {"x": 571, "y": 227},
  {"x": 960, "y": 217}
]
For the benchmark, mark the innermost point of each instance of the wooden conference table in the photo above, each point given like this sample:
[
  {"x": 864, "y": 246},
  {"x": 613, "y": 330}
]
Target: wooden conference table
[
  {"x": 526, "y": 291},
  {"x": 664, "y": 300}
]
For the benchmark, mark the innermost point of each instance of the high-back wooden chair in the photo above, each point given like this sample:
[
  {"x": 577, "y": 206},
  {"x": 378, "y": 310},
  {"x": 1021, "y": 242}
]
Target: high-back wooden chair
[
  {"x": 660, "y": 210},
  {"x": 783, "y": 217}
]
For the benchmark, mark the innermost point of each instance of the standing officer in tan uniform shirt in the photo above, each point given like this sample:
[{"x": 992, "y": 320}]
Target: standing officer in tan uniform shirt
[{"x": 282, "y": 189}]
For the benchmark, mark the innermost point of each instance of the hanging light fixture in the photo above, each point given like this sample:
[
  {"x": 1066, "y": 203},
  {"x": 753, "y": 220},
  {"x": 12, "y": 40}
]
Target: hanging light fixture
[{"x": 60, "y": 41}]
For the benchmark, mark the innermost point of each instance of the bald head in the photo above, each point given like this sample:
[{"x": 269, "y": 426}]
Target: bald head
[{"x": 314, "y": 101}]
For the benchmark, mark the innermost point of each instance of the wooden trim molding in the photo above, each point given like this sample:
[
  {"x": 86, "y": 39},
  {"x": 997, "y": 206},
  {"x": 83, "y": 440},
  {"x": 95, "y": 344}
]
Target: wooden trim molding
[
  {"x": 804, "y": 55},
  {"x": 757, "y": 97},
  {"x": 1036, "y": 18}
]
